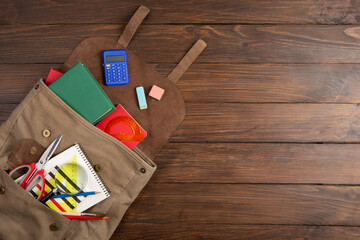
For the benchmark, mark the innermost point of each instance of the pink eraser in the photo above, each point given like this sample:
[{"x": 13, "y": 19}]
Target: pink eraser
[{"x": 156, "y": 92}]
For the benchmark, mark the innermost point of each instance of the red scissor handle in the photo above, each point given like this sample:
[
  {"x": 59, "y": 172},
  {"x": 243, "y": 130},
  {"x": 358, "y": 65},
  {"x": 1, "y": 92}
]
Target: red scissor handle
[
  {"x": 38, "y": 178},
  {"x": 28, "y": 183},
  {"x": 24, "y": 179}
]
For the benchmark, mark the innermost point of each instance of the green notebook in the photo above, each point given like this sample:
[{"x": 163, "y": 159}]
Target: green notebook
[{"x": 79, "y": 89}]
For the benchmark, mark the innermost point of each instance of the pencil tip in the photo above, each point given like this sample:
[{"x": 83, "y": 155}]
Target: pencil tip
[
  {"x": 106, "y": 217},
  {"x": 97, "y": 192}
]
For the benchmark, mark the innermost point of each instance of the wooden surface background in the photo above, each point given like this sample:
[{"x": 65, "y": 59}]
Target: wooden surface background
[{"x": 269, "y": 148}]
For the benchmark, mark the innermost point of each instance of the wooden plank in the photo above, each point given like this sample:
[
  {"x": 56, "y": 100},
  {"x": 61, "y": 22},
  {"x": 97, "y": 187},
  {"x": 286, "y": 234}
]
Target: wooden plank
[
  {"x": 238, "y": 122},
  {"x": 168, "y": 11},
  {"x": 258, "y": 163},
  {"x": 226, "y": 43},
  {"x": 246, "y": 204},
  {"x": 45, "y": 43},
  {"x": 226, "y": 82},
  {"x": 270, "y": 82},
  {"x": 172, "y": 231},
  {"x": 18, "y": 79}
]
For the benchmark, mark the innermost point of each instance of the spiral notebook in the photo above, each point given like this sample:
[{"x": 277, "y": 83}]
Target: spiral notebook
[{"x": 74, "y": 154}]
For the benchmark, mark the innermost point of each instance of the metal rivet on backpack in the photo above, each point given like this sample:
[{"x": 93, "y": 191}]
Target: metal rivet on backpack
[
  {"x": 98, "y": 168},
  {"x": 54, "y": 227},
  {"x": 143, "y": 170},
  {"x": 36, "y": 86},
  {"x": 33, "y": 150},
  {"x": 46, "y": 133},
  {"x": 2, "y": 190}
]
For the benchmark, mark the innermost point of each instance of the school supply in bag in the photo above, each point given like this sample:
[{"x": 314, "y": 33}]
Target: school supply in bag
[
  {"x": 70, "y": 178},
  {"x": 86, "y": 217},
  {"x": 75, "y": 195},
  {"x": 122, "y": 126},
  {"x": 141, "y": 97},
  {"x": 78, "y": 88},
  {"x": 73, "y": 155},
  {"x": 52, "y": 76},
  {"x": 156, "y": 92},
  {"x": 115, "y": 67},
  {"x": 34, "y": 172},
  {"x": 84, "y": 214}
]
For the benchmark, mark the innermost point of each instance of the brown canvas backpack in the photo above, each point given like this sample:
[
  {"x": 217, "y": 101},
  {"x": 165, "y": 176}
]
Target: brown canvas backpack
[{"x": 42, "y": 116}]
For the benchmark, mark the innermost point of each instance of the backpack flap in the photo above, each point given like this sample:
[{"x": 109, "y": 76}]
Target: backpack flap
[{"x": 162, "y": 117}]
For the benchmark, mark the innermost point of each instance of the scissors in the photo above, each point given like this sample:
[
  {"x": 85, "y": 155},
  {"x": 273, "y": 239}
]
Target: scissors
[{"x": 34, "y": 171}]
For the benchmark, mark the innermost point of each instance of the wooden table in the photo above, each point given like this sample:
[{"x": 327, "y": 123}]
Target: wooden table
[{"x": 269, "y": 147}]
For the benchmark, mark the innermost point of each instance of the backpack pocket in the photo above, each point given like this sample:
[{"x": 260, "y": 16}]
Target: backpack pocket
[
  {"x": 43, "y": 116},
  {"x": 24, "y": 217}
]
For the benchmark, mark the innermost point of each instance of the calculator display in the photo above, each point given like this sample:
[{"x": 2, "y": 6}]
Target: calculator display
[{"x": 120, "y": 58}]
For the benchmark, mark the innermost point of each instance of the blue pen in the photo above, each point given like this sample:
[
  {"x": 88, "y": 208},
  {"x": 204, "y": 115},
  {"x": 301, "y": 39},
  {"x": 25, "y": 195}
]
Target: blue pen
[{"x": 75, "y": 195}]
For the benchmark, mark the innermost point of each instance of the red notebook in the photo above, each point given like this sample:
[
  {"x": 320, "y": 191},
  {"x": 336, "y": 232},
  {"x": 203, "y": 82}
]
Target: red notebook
[
  {"x": 123, "y": 127},
  {"x": 52, "y": 76}
]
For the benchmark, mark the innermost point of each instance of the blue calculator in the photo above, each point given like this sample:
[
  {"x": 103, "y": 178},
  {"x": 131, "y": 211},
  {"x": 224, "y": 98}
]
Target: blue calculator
[{"x": 115, "y": 67}]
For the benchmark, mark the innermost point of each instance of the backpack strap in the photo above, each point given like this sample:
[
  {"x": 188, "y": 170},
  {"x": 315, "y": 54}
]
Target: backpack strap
[
  {"x": 133, "y": 25},
  {"x": 186, "y": 61}
]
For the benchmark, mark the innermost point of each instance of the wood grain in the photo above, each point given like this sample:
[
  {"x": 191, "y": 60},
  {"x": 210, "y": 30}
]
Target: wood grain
[
  {"x": 169, "y": 11},
  {"x": 16, "y": 80},
  {"x": 258, "y": 163},
  {"x": 263, "y": 83},
  {"x": 196, "y": 231},
  {"x": 225, "y": 43},
  {"x": 246, "y": 204},
  {"x": 270, "y": 83},
  {"x": 232, "y": 122}
]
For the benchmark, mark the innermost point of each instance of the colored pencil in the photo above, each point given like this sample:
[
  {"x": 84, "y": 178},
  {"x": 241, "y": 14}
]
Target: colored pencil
[
  {"x": 84, "y": 217},
  {"x": 83, "y": 214},
  {"x": 75, "y": 195}
]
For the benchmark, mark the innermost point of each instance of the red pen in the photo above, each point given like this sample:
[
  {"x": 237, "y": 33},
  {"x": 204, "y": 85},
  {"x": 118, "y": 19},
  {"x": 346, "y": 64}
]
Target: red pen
[{"x": 85, "y": 217}]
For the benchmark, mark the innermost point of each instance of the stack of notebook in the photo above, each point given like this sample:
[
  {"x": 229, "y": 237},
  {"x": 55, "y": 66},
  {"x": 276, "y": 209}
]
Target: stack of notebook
[{"x": 79, "y": 89}]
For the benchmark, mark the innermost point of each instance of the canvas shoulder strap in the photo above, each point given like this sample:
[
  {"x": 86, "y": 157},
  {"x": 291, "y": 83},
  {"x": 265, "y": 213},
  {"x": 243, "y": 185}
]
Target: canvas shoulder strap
[
  {"x": 184, "y": 63},
  {"x": 133, "y": 25}
]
